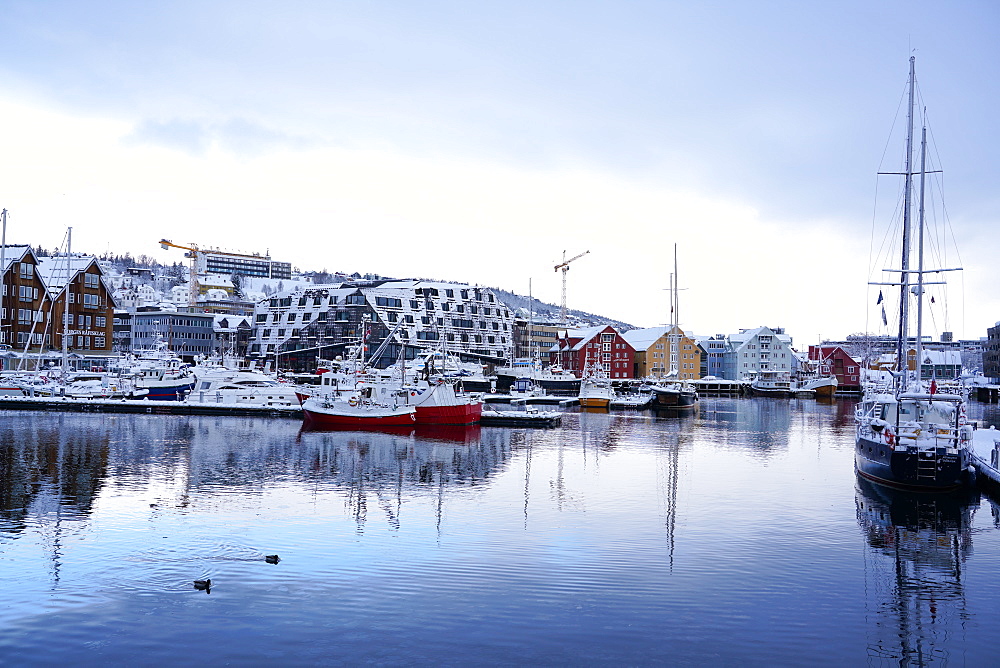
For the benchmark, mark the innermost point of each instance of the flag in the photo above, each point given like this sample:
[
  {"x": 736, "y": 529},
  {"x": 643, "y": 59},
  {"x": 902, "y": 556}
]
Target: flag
[
  {"x": 932, "y": 299},
  {"x": 879, "y": 298},
  {"x": 884, "y": 320}
]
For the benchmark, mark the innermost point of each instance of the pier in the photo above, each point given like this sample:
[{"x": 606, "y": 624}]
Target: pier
[{"x": 76, "y": 405}]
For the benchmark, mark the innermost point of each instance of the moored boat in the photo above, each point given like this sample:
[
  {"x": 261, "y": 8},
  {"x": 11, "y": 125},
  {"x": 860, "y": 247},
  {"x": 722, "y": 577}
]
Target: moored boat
[
  {"x": 357, "y": 410},
  {"x": 912, "y": 438}
]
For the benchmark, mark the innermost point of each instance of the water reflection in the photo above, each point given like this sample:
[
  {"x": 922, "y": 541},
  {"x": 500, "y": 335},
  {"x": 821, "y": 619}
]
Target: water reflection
[
  {"x": 49, "y": 470},
  {"x": 918, "y": 545}
]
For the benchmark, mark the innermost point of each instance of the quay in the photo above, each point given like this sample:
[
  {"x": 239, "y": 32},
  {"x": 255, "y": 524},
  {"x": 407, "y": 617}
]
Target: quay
[
  {"x": 492, "y": 418},
  {"x": 77, "y": 405}
]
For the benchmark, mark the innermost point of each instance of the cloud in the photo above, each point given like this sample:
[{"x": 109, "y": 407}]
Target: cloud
[{"x": 236, "y": 135}]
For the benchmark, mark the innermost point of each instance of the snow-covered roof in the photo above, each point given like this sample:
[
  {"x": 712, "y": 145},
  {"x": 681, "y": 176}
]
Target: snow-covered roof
[
  {"x": 942, "y": 357},
  {"x": 13, "y": 254},
  {"x": 737, "y": 340},
  {"x": 53, "y": 270},
  {"x": 226, "y": 322},
  {"x": 642, "y": 339}
]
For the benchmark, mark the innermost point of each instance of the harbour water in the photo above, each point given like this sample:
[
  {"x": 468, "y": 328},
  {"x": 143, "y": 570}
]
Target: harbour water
[{"x": 736, "y": 536}]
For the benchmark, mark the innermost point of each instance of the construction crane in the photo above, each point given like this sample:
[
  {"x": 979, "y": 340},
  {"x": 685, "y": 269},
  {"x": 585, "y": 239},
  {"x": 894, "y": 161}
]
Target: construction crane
[
  {"x": 192, "y": 254},
  {"x": 564, "y": 265}
]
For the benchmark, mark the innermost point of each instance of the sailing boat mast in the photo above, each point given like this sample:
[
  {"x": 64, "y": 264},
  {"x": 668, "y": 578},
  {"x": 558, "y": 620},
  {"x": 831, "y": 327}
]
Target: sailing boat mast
[
  {"x": 920, "y": 257},
  {"x": 65, "y": 322},
  {"x": 674, "y": 321},
  {"x": 902, "y": 363}
]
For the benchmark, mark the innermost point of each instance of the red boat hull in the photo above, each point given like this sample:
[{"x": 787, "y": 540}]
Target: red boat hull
[
  {"x": 316, "y": 419},
  {"x": 468, "y": 413}
]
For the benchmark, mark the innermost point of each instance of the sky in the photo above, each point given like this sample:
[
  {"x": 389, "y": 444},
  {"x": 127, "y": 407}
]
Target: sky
[{"x": 477, "y": 142}]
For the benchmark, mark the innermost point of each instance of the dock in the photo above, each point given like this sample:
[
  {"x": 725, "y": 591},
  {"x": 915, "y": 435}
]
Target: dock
[
  {"x": 492, "y": 418},
  {"x": 544, "y": 399},
  {"x": 77, "y": 405}
]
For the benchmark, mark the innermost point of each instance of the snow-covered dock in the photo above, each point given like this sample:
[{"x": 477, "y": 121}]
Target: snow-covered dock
[{"x": 76, "y": 405}]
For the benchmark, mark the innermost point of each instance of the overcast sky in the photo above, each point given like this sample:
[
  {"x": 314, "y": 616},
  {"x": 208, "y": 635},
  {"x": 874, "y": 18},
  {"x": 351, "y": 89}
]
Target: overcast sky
[{"x": 477, "y": 141}]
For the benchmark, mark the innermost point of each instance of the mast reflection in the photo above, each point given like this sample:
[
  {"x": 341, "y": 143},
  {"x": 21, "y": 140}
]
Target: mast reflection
[{"x": 918, "y": 545}]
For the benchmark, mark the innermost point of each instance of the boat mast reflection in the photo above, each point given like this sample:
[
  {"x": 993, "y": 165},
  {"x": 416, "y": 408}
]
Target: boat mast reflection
[
  {"x": 917, "y": 547},
  {"x": 387, "y": 467}
]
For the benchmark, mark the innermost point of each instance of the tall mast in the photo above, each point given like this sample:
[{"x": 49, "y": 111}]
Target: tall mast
[
  {"x": 65, "y": 322},
  {"x": 920, "y": 256},
  {"x": 902, "y": 363},
  {"x": 3, "y": 274},
  {"x": 675, "y": 325}
]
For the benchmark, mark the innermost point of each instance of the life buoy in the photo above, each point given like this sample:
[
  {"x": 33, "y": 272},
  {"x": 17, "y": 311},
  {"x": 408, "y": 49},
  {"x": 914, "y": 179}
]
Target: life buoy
[
  {"x": 889, "y": 437},
  {"x": 353, "y": 401}
]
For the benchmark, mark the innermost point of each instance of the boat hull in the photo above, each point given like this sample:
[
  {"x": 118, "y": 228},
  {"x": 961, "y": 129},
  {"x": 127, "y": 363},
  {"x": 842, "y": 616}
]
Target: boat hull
[
  {"x": 911, "y": 468},
  {"x": 595, "y": 402},
  {"x": 674, "y": 400},
  {"x": 172, "y": 392},
  {"x": 317, "y": 413},
  {"x": 457, "y": 414}
]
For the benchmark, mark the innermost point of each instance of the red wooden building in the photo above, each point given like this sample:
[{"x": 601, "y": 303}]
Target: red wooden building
[
  {"x": 603, "y": 345},
  {"x": 839, "y": 363}
]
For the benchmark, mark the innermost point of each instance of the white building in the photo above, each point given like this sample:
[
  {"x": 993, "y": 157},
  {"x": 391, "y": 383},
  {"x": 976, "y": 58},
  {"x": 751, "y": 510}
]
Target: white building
[{"x": 462, "y": 318}]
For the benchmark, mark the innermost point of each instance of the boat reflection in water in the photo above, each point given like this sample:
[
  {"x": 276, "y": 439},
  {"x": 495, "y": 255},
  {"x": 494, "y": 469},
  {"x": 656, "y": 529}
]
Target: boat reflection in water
[
  {"x": 918, "y": 545},
  {"x": 385, "y": 467}
]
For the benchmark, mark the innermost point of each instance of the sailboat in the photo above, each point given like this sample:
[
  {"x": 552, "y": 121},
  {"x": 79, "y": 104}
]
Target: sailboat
[
  {"x": 673, "y": 393},
  {"x": 914, "y": 437}
]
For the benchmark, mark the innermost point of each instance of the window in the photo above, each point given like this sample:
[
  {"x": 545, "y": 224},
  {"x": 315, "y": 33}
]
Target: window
[
  {"x": 606, "y": 346},
  {"x": 409, "y": 319},
  {"x": 261, "y": 317},
  {"x": 27, "y": 270},
  {"x": 449, "y": 292},
  {"x": 292, "y": 317},
  {"x": 92, "y": 281},
  {"x": 607, "y": 337},
  {"x": 98, "y": 341}
]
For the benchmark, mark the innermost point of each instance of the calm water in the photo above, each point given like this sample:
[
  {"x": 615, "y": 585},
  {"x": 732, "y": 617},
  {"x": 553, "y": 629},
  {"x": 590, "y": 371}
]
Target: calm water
[{"x": 738, "y": 536}]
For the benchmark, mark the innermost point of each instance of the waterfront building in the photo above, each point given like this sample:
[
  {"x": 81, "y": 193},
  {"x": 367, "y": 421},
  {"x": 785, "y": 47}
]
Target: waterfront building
[
  {"x": 579, "y": 349},
  {"x": 89, "y": 315},
  {"x": 187, "y": 335},
  {"x": 232, "y": 334},
  {"x": 755, "y": 350},
  {"x": 24, "y": 311},
  {"x": 121, "y": 331},
  {"x": 841, "y": 364},
  {"x": 321, "y": 321},
  {"x": 536, "y": 340},
  {"x": 653, "y": 357},
  {"x": 991, "y": 354},
  {"x": 713, "y": 353}
]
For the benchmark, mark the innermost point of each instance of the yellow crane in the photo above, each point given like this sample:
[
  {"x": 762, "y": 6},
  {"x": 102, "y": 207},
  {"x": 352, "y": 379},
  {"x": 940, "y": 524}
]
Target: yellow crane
[
  {"x": 192, "y": 254},
  {"x": 564, "y": 265}
]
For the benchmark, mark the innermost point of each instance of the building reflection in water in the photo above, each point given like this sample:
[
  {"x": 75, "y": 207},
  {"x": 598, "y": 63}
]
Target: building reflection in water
[{"x": 917, "y": 548}]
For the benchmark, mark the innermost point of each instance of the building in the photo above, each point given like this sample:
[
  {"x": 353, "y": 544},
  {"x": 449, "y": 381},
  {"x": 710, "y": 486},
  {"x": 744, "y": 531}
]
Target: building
[
  {"x": 187, "y": 335},
  {"x": 306, "y": 324},
  {"x": 24, "y": 317},
  {"x": 653, "y": 356},
  {"x": 841, "y": 364},
  {"x": 261, "y": 266},
  {"x": 713, "y": 354},
  {"x": 536, "y": 340},
  {"x": 580, "y": 349},
  {"x": 991, "y": 354},
  {"x": 89, "y": 313},
  {"x": 232, "y": 334},
  {"x": 755, "y": 350},
  {"x": 121, "y": 332}
]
